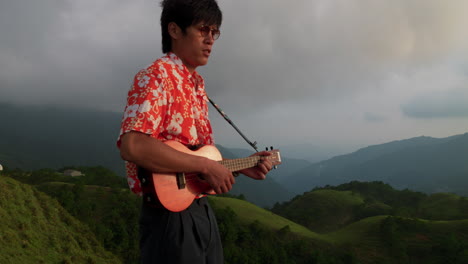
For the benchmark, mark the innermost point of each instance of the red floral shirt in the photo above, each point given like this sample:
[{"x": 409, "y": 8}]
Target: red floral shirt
[{"x": 168, "y": 103}]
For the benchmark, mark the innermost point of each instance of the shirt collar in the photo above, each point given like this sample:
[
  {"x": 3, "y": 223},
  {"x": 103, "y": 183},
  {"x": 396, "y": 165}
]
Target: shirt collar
[{"x": 181, "y": 66}]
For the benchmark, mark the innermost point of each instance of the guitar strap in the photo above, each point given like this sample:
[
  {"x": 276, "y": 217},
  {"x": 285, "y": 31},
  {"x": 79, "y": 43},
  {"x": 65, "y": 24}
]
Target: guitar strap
[{"x": 220, "y": 111}]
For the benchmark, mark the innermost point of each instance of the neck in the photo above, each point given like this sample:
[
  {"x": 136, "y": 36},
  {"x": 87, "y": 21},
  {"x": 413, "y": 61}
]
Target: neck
[{"x": 187, "y": 65}]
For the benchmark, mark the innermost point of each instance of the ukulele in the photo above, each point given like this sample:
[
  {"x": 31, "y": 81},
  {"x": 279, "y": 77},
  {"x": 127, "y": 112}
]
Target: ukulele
[{"x": 176, "y": 191}]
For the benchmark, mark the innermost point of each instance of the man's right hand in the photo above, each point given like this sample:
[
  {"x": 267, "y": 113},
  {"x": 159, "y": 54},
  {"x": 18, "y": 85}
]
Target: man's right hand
[
  {"x": 154, "y": 155},
  {"x": 218, "y": 176}
]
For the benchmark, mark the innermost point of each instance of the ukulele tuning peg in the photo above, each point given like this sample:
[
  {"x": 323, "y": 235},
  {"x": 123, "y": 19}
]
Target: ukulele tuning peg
[
  {"x": 266, "y": 148},
  {"x": 275, "y": 167},
  {"x": 271, "y": 147}
]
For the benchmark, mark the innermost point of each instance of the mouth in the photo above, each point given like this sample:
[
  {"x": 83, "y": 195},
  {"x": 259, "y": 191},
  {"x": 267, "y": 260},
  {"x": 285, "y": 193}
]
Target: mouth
[{"x": 206, "y": 52}]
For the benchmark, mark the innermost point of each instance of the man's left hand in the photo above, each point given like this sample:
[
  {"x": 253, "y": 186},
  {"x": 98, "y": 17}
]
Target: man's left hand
[{"x": 260, "y": 171}]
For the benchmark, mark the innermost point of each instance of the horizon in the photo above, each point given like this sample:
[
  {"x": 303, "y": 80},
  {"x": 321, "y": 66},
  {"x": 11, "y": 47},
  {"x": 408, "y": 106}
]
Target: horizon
[{"x": 309, "y": 151}]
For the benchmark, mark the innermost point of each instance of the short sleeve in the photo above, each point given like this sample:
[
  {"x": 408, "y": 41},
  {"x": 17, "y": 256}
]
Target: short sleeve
[{"x": 146, "y": 105}]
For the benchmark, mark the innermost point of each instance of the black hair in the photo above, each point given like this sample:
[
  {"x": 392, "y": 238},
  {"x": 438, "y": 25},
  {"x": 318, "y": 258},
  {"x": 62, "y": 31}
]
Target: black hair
[{"x": 186, "y": 13}]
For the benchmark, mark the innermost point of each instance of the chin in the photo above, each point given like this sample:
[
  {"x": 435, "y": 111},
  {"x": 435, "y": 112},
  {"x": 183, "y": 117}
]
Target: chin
[{"x": 203, "y": 63}]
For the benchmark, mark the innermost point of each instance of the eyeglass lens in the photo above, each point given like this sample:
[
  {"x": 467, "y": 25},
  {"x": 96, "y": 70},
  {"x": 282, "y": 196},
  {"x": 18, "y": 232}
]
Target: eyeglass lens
[{"x": 205, "y": 30}]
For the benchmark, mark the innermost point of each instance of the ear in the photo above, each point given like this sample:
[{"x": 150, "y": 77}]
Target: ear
[{"x": 174, "y": 30}]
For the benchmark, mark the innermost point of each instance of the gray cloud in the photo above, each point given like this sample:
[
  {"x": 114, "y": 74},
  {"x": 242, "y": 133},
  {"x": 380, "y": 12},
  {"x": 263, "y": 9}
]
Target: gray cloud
[
  {"x": 317, "y": 56},
  {"x": 320, "y": 50},
  {"x": 374, "y": 118},
  {"x": 80, "y": 53},
  {"x": 453, "y": 104}
]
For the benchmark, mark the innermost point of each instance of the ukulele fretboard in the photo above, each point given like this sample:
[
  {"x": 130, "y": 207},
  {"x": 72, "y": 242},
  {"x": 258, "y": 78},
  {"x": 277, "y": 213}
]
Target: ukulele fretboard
[{"x": 249, "y": 162}]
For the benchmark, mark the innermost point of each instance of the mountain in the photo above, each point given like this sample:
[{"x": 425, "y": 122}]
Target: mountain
[
  {"x": 313, "y": 153},
  {"x": 422, "y": 163},
  {"x": 54, "y": 137}
]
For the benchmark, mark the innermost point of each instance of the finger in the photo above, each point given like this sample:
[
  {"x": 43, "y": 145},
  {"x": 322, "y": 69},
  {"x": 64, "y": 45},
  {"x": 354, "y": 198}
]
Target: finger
[
  {"x": 263, "y": 168},
  {"x": 261, "y": 176},
  {"x": 267, "y": 163},
  {"x": 226, "y": 188},
  {"x": 266, "y": 166},
  {"x": 232, "y": 179},
  {"x": 264, "y": 153}
]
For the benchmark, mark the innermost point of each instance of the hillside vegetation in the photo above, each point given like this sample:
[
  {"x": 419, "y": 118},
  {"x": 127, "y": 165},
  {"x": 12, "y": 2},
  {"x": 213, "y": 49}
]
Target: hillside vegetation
[
  {"x": 379, "y": 224},
  {"x": 332, "y": 207},
  {"x": 251, "y": 213},
  {"x": 36, "y": 229},
  {"x": 99, "y": 199},
  {"x": 393, "y": 239},
  {"x": 250, "y": 234},
  {"x": 356, "y": 222}
]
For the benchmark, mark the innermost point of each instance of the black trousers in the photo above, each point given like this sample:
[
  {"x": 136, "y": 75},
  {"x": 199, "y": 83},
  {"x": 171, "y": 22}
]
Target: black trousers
[{"x": 190, "y": 236}]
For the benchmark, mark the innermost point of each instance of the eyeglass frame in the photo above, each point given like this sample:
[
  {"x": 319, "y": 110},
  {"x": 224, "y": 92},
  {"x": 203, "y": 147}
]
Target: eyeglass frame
[{"x": 204, "y": 30}]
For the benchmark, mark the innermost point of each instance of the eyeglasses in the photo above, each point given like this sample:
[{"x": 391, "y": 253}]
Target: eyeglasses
[{"x": 205, "y": 30}]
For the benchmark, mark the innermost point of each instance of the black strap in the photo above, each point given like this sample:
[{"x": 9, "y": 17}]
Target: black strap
[{"x": 253, "y": 145}]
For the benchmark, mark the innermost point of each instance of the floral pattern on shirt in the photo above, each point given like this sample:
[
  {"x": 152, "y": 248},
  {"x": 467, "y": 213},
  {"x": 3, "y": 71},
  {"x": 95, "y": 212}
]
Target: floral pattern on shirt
[{"x": 167, "y": 103}]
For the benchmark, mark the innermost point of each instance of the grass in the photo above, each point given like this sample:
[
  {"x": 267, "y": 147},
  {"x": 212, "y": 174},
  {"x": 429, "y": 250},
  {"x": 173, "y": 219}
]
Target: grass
[
  {"x": 322, "y": 210},
  {"x": 442, "y": 206},
  {"x": 36, "y": 229},
  {"x": 357, "y": 231},
  {"x": 248, "y": 213}
]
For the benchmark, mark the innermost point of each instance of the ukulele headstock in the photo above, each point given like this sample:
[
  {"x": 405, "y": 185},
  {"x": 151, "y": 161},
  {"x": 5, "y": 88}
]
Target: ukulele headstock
[{"x": 275, "y": 156}]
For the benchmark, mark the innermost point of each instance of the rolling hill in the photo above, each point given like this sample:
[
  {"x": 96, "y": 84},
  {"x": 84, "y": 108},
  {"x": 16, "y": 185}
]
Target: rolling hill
[
  {"x": 356, "y": 222},
  {"x": 36, "y": 229}
]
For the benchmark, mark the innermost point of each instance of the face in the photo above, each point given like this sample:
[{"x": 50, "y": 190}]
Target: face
[{"x": 194, "y": 47}]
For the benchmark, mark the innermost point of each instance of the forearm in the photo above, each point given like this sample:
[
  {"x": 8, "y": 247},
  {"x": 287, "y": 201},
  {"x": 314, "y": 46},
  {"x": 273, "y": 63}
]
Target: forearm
[{"x": 156, "y": 156}]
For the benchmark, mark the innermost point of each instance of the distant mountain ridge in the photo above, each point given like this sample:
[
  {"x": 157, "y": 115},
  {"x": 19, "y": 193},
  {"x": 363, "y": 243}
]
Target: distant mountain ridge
[
  {"x": 421, "y": 163},
  {"x": 35, "y": 137},
  {"x": 51, "y": 137}
]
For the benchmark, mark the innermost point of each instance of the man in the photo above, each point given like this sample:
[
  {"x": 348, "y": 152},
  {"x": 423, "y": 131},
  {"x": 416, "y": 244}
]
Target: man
[{"x": 168, "y": 102}]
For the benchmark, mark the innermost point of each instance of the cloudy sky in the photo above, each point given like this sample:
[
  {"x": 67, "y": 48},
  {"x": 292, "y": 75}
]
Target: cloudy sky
[{"x": 346, "y": 73}]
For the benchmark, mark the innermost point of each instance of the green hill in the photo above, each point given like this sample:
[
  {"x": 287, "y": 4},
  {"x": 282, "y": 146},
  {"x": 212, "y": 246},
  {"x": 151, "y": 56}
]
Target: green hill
[
  {"x": 387, "y": 239},
  {"x": 248, "y": 213},
  {"x": 330, "y": 208},
  {"x": 110, "y": 213},
  {"x": 322, "y": 210},
  {"x": 36, "y": 229},
  {"x": 356, "y": 222},
  {"x": 254, "y": 235}
]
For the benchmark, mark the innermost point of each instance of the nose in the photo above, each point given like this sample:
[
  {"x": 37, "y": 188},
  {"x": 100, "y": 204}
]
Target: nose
[{"x": 209, "y": 38}]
